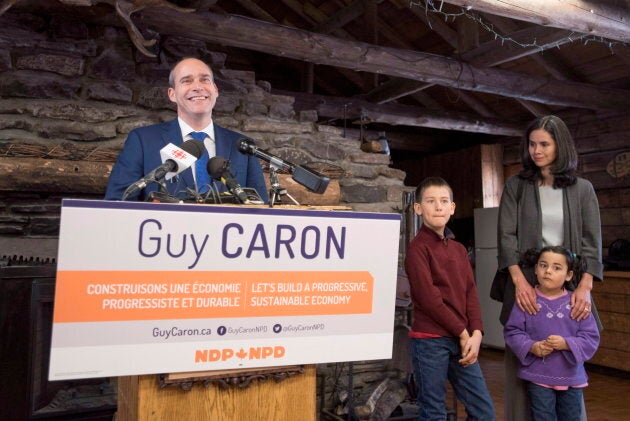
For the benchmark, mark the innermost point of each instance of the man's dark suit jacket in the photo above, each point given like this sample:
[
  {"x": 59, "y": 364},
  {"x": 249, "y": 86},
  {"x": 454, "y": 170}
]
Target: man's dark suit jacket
[{"x": 141, "y": 155}]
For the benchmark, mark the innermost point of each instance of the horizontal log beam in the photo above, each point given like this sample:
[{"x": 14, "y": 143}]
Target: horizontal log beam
[
  {"x": 342, "y": 17},
  {"x": 498, "y": 51},
  {"x": 591, "y": 17},
  {"x": 64, "y": 176},
  {"x": 394, "y": 89},
  {"x": 491, "y": 53},
  {"x": 352, "y": 108},
  {"x": 408, "y": 142},
  {"x": 323, "y": 49},
  {"x": 53, "y": 175},
  {"x": 473, "y": 124}
]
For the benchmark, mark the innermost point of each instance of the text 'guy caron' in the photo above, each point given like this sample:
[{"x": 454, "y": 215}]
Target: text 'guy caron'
[{"x": 268, "y": 241}]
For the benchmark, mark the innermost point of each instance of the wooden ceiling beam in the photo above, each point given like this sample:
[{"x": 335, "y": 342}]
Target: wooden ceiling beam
[
  {"x": 557, "y": 67},
  {"x": 468, "y": 43},
  {"x": 298, "y": 9},
  {"x": 548, "y": 59},
  {"x": 256, "y": 10},
  {"x": 550, "y": 62},
  {"x": 474, "y": 103},
  {"x": 313, "y": 15},
  {"x": 598, "y": 18},
  {"x": 323, "y": 49},
  {"x": 428, "y": 101},
  {"x": 393, "y": 114},
  {"x": 467, "y": 35},
  {"x": 203, "y": 4},
  {"x": 488, "y": 54},
  {"x": 498, "y": 51},
  {"x": 350, "y": 13},
  {"x": 261, "y": 14},
  {"x": 535, "y": 108},
  {"x": 433, "y": 22},
  {"x": 343, "y": 16},
  {"x": 408, "y": 142},
  {"x": 394, "y": 89}
]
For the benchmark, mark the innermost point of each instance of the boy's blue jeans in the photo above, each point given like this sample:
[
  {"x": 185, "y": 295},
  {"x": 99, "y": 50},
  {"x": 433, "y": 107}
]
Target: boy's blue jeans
[
  {"x": 555, "y": 405},
  {"x": 434, "y": 361}
]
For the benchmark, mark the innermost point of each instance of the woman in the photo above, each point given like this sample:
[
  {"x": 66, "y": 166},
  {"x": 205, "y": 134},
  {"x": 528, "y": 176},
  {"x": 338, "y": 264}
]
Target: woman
[{"x": 546, "y": 204}]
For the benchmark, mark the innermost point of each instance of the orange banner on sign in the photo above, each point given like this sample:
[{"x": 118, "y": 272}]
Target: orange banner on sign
[{"x": 98, "y": 296}]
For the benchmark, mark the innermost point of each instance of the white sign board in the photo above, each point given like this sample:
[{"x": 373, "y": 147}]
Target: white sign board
[{"x": 148, "y": 288}]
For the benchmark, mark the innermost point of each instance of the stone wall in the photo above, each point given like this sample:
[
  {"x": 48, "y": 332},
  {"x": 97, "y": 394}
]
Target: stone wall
[{"x": 72, "y": 91}]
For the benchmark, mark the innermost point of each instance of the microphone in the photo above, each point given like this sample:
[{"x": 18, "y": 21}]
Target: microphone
[
  {"x": 304, "y": 175},
  {"x": 174, "y": 160},
  {"x": 248, "y": 147},
  {"x": 219, "y": 169}
]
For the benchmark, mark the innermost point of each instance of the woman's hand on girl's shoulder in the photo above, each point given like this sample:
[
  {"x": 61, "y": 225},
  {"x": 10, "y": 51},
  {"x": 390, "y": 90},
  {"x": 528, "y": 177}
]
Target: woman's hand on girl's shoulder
[
  {"x": 524, "y": 293},
  {"x": 581, "y": 298}
]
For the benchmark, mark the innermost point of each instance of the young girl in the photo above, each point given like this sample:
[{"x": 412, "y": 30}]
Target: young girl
[{"x": 551, "y": 346}]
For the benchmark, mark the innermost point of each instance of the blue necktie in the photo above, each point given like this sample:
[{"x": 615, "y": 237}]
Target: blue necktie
[{"x": 201, "y": 165}]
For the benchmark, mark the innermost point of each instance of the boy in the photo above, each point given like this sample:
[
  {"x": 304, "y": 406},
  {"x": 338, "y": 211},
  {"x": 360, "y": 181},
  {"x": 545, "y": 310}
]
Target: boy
[{"x": 447, "y": 328}]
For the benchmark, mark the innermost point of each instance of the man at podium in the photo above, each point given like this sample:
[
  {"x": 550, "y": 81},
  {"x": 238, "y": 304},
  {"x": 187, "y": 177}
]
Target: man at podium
[{"x": 193, "y": 90}]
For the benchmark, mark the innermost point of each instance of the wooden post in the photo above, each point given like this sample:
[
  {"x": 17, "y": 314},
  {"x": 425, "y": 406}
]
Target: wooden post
[{"x": 491, "y": 174}]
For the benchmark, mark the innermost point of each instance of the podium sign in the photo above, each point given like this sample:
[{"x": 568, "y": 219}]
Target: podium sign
[{"x": 147, "y": 288}]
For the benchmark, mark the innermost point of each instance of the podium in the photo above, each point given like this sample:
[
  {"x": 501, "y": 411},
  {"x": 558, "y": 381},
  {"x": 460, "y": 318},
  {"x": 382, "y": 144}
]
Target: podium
[
  {"x": 141, "y": 398},
  {"x": 238, "y": 304}
]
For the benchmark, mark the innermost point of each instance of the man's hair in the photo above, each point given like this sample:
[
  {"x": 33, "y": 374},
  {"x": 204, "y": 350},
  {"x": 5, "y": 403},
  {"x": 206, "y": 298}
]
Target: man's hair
[
  {"x": 432, "y": 182},
  {"x": 564, "y": 168},
  {"x": 171, "y": 75}
]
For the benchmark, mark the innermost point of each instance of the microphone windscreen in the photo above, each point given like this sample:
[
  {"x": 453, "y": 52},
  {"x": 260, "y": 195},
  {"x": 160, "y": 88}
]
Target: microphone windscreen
[
  {"x": 245, "y": 145},
  {"x": 193, "y": 147},
  {"x": 216, "y": 166}
]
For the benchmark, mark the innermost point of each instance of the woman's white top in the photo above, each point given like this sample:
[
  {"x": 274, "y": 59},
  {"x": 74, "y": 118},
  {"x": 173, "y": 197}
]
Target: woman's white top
[{"x": 552, "y": 216}]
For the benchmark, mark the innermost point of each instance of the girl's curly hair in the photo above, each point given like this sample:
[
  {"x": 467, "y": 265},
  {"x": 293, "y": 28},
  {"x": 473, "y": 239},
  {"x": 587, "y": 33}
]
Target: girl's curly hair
[{"x": 574, "y": 263}]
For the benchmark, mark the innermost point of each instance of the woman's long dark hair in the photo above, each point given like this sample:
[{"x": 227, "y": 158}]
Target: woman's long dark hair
[{"x": 564, "y": 168}]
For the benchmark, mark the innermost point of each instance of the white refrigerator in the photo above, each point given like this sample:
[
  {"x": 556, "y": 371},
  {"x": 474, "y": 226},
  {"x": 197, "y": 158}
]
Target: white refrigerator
[{"x": 486, "y": 220}]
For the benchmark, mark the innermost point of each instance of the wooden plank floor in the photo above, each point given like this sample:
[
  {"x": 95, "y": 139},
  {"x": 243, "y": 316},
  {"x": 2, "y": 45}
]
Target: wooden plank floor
[{"x": 607, "y": 397}]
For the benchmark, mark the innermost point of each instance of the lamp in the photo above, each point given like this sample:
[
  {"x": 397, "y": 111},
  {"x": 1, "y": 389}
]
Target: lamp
[
  {"x": 384, "y": 144},
  {"x": 380, "y": 145}
]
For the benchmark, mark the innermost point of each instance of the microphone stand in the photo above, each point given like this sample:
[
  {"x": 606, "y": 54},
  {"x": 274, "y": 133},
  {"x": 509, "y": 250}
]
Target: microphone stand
[
  {"x": 276, "y": 191},
  {"x": 129, "y": 190},
  {"x": 162, "y": 186}
]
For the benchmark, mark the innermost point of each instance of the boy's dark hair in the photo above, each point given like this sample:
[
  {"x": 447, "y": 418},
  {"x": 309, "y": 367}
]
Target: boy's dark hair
[
  {"x": 431, "y": 182},
  {"x": 564, "y": 168},
  {"x": 574, "y": 263}
]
